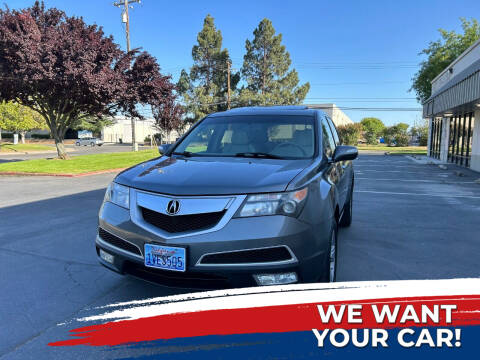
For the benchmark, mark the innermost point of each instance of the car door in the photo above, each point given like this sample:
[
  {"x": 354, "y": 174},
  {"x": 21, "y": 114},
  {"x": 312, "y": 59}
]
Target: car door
[
  {"x": 332, "y": 171},
  {"x": 344, "y": 167}
]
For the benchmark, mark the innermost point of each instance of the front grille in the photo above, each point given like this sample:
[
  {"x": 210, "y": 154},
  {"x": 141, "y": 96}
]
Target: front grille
[
  {"x": 182, "y": 223},
  {"x": 273, "y": 254},
  {"x": 176, "y": 279},
  {"x": 117, "y": 242}
]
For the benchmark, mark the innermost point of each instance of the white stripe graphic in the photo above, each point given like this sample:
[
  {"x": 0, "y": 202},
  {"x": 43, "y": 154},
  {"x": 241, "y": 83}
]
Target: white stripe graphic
[{"x": 283, "y": 295}]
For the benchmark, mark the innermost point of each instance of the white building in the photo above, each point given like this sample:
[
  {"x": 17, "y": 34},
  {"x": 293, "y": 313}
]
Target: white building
[
  {"x": 338, "y": 116},
  {"x": 452, "y": 108},
  {"x": 121, "y": 131}
]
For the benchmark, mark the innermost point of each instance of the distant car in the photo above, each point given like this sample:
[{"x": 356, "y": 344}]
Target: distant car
[{"x": 89, "y": 141}]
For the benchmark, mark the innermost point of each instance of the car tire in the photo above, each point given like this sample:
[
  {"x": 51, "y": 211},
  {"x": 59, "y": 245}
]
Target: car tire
[
  {"x": 92, "y": 144},
  {"x": 332, "y": 254},
  {"x": 329, "y": 273},
  {"x": 346, "y": 219},
  {"x": 77, "y": 143}
]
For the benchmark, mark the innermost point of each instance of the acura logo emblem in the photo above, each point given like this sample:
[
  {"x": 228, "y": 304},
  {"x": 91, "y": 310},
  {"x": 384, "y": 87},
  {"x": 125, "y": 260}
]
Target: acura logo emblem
[{"x": 173, "y": 207}]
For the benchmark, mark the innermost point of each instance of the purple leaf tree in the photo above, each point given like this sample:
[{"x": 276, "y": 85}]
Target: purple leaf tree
[{"x": 67, "y": 70}]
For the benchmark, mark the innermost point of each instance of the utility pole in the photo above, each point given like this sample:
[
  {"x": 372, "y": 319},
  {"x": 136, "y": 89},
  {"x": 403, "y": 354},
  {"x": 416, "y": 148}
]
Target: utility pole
[
  {"x": 228, "y": 84},
  {"x": 126, "y": 20}
]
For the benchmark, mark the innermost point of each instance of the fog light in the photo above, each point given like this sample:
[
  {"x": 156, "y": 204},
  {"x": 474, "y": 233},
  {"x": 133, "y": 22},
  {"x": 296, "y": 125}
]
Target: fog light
[
  {"x": 106, "y": 256},
  {"x": 276, "y": 279},
  {"x": 289, "y": 207}
]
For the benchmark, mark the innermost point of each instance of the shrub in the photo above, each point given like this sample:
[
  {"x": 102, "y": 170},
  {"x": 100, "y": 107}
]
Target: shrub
[
  {"x": 373, "y": 128},
  {"x": 350, "y": 134},
  {"x": 396, "y": 135}
]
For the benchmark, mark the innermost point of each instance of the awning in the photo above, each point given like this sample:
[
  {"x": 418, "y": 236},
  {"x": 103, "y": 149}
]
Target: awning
[{"x": 462, "y": 89}]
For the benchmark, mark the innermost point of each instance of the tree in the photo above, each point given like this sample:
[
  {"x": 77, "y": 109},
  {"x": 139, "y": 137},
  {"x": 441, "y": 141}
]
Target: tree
[
  {"x": 396, "y": 135},
  {"x": 442, "y": 53},
  {"x": 68, "y": 71},
  {"x": 266, "y": 67},
  {"x": 94, "y": 124},
  {"x": 373, "y": 128},
  {"x": 19, "y": 119},
  {"x": 350, "y": 134},
  {"x": 204, "y": 90},
  {"x": 420, "y": 132}
]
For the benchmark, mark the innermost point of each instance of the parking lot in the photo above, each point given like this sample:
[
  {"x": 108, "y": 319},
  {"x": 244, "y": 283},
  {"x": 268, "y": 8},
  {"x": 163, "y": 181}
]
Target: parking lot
[{"x": 411, "y": 221}]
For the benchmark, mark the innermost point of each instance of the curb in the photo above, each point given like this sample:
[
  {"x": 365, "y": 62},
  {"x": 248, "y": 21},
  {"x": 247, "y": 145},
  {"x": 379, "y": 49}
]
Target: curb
[{"x": 18, "y": 173}]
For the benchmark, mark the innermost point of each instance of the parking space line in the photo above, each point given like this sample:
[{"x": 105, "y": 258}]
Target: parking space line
[
  {"x": 416, "y": 194},
  {"x": 399, "y": 171},
  {"x": 417, "y": 180},
  {"x": 392, "y": 166}
]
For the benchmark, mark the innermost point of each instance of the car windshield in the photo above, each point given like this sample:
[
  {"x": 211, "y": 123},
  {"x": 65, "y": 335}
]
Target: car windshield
[{"x": 284, "y": 137}]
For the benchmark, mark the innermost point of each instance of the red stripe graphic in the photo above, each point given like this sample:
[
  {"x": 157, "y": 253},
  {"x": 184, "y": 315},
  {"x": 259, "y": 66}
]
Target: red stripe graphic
[{"x": 269, "y": 319}]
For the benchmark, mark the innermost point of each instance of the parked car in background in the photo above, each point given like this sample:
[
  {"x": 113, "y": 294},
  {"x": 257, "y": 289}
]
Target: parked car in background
[
  {"x": 250, "y": 196},
  {"x": 89, "y": 141}
]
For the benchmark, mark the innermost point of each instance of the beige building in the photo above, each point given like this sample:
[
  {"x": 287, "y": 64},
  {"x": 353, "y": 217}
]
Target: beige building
[
  {"x": 337, "y": 115},
  {"x": 121, "y": 131}
]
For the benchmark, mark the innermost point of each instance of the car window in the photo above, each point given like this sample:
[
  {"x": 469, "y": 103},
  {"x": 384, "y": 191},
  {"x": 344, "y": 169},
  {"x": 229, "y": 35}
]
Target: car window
[
  {"x": 281, "y": 136},
  {"x": 200, "y": 141},
  {"x": 327, "y": 137},
  {"x": 334, "y": 131}
]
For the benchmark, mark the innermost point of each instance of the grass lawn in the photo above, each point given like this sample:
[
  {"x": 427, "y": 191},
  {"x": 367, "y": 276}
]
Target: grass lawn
[
  {"x": 9, "y": 147},
  {"x": 394, "y": 150},
  {"x": 80, "y": 164}
]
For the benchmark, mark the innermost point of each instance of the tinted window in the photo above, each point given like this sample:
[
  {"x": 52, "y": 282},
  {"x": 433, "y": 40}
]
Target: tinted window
[
  {"x": 282, "y": 136},
  {"x": 327, "y": 137},
  {"x": 334, "y": 131}
]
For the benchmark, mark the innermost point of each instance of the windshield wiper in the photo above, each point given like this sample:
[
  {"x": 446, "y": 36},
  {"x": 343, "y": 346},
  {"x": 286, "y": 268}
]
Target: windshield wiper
[
  {"x": 184, "y": 153},
  {"x": 258, "y": 155}
]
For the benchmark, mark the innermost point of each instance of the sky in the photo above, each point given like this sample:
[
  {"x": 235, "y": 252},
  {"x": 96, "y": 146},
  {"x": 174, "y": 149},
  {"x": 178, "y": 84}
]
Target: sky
[{"x": 356, "y": 54}]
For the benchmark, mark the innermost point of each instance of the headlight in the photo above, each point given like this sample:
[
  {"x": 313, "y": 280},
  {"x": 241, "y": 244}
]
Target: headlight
[
  {"x": 118, "y": 194},
  {"x": 286, "y": 203}
]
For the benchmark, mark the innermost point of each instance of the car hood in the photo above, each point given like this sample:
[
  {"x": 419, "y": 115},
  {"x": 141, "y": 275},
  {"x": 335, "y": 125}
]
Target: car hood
[{"x": 212, "y": 176}]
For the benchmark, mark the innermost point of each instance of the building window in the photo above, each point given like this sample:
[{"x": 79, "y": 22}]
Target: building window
[
  {"x": 436, "y": 138},
  {"x": 460, "y": 140}
]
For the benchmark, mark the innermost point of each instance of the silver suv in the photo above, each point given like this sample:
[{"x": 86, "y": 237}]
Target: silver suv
[
  {"x": 250, "y": 196},
  {"x": 89, "y": 141}
]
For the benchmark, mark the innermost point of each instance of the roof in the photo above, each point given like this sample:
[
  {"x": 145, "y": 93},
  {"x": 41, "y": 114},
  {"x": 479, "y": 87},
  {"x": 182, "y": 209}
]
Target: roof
[
  {"x": 268, "y": 110},
  {"x": 461, "y": 89},
  {"x": 460, "y": 57}
]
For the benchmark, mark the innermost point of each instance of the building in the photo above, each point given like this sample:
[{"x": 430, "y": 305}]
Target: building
[
  {"x": 121, "y": 131},
  {"x": 338, "y": 116},
  {"x": 454, "y": 135}
]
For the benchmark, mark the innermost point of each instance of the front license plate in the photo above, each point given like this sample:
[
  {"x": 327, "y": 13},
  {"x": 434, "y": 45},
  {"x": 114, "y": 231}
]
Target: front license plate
[{"x": 165, "y": 257}]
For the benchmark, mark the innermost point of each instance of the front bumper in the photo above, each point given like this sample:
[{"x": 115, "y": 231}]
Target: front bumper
[{"x": 307, "y": 244}]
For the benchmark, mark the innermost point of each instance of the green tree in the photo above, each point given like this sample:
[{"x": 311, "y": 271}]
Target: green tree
[
  {"x": 94, "y": 124},
  {"x": 204, "y": 90},
  {"x": 19, "y": 119},
  {"x": 265, "y": 69},
  {"x": 441, "y": 53},
  {"x": 373, "y": 128},
  {"x": 396, "y": 135},
  {"x": 350, "y": 134},
  {"x": 421, "y": 133}
]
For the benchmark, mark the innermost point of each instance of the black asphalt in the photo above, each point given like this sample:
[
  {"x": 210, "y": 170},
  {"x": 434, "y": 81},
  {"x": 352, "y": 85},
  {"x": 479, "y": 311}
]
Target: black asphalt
[{"x": 411, "y": 221}]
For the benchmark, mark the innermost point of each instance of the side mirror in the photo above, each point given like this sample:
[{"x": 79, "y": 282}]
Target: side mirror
[
  {"x": 162, "y": 149},
  {"x": 344, "y": 152}
]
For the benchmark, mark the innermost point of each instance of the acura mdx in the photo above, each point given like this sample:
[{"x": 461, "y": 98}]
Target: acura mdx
[{"x": 250, "y": 196}]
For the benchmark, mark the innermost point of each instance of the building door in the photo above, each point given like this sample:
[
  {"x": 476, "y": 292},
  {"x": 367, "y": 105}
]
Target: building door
[
  {"x": 460, "y": 141},
  {"x": 436, "y": 138}
]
